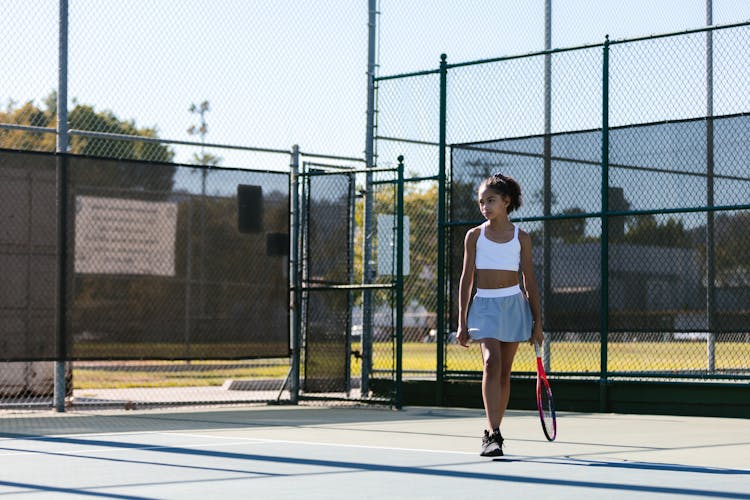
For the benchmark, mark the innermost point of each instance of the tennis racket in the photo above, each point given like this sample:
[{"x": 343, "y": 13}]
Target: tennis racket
[{"x": 544, "y": 400}]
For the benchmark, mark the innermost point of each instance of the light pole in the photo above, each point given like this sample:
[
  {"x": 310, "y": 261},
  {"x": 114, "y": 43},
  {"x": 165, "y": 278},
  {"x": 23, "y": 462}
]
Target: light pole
[{"x": 201, "y": 110}]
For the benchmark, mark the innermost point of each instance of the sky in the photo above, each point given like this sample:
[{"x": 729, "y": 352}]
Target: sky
[{"x": 283, "y": 72}]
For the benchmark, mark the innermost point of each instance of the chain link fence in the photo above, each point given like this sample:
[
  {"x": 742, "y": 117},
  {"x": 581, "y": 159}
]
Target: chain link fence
[
  {"x": 145, "y": 68},
  {"x": 157, "y": 84},
  {"x": 635, "y": 189},
  {"x": 163, "y": 276},
  {"x": 148, "y": 84}
]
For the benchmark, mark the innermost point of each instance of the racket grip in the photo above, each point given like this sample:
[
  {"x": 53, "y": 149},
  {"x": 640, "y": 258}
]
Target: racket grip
[{"x": 538, "y": 350}]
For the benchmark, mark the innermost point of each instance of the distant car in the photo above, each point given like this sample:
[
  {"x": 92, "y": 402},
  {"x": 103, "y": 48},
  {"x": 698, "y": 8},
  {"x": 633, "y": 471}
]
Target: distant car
[
  {"x": 356, "y": 333},
  {"x": 431, "y": 336}
]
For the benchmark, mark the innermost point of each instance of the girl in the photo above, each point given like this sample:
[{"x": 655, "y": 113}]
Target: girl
[{"x": 501, "y": 315}]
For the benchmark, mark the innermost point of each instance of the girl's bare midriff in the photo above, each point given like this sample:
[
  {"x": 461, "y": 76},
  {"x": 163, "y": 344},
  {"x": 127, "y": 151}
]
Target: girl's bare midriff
[{"x": 494, "y": 278}]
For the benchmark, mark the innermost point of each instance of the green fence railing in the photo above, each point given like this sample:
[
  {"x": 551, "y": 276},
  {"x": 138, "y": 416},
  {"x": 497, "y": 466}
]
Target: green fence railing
[{"x": 636, "y": 189}]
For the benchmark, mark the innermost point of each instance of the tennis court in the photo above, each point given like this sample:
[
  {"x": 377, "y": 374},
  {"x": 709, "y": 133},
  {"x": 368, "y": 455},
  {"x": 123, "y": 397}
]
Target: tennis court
[{"x": 321, "y": 452}]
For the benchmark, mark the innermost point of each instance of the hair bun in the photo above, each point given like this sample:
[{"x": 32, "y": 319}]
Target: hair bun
[{"x": 507, "y": 186}]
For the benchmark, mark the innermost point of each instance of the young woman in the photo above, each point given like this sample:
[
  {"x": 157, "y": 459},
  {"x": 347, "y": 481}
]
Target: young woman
[{"x": 501, "y": 315}]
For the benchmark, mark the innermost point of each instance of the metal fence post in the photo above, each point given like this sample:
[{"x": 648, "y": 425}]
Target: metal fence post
[
  {"x": 710, "y": 243},
  {"x": 547, "y": 196},
  {"x": 399, "y": 282},
  {"x": 60, "y": 388},
  {"x": 441, "y": 324},
  {"x": 350, "y": 277},
  {"x": 188, "y": 277},
  {"x": 296, "y": 279},
  {"x": 368, "y": 222},
  {"x": 604, "y": 250}
]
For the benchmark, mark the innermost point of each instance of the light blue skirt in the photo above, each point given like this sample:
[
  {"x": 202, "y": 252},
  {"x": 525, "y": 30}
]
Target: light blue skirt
[{"x": 502, "y": 314}]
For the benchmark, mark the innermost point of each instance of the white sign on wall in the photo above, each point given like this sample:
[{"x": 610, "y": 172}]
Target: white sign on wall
[
  {"x": 386, "y": 242},
  {"x": 123, "y": 236}
]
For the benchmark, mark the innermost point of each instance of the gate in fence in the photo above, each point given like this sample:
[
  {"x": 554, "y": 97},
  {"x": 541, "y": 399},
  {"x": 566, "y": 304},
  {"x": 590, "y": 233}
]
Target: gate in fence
[{"x": 341, "y": 360}]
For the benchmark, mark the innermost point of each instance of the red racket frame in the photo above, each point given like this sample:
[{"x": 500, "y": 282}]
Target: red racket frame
[{"x": 542, "y": 384}]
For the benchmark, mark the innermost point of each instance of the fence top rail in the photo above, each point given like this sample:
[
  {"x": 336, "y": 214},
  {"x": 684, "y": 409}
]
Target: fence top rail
[
  {"x": 342, "y": 168},
  {"x": 407, "y": 75},
  {"x": 28, "y": 128},
  {"x": 157, "y": 140},
  {"x": 407, "y": 141},
  {"x": 143, "y": 161},
  {"x": 305, "y": 154},
  {"x": 716, "y": 27},
  {"x": 361, "y": 286},
  {"x": 340, "y": 171}
]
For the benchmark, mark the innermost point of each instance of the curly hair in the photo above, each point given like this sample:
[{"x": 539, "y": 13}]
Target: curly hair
[{"x": 504, "y": 186}]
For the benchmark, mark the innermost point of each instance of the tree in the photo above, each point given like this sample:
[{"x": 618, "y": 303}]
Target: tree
[
  {"x": 107, "y": 177},
  {"x": 421, "y": 208},
  {"x": 205, "y": 159},
  {"x": 141, "y": 177},
  {"x": 646, "y": 230},
  {"x": 569, "y": 230},
  {"x": 420, "y": 205},
  {"x": 81, "y": 117},
  {"x": 732, "y": 256},
  {"x": 29, "y": 115}
]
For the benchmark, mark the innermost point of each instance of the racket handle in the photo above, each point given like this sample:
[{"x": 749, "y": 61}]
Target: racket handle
[{"x": 538, "y": 350}]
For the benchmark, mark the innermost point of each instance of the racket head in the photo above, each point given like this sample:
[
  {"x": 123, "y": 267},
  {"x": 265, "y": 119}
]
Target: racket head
[
  {"x": 544, "y": 401},
  {"x": 546, "y": 405}
]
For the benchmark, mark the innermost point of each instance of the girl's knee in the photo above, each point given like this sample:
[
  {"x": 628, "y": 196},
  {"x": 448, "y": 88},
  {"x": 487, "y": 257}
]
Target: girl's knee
[{"x": 492, "y": 366}]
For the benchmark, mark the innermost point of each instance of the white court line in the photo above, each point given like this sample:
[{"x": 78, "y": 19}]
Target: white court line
[
  {"x": 243, "y": 441},
  {"x": 318, "y": 443},
  {"x": 84, "y": 435}
]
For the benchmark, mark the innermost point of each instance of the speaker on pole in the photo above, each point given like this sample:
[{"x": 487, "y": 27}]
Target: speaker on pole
[
  {"x": 277, "y": 244},
  {"x": 249, "y": 208}
]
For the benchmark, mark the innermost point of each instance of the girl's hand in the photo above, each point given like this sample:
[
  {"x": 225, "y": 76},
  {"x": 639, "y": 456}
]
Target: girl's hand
[
  {"x": 537, "y": 336},
  {"x": 463, "y": 336}
]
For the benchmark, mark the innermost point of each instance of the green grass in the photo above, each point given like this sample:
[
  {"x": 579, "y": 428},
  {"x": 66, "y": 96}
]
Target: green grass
[
  {"x": 626, "y": 356},
  {"x": 580, "y": 357},
  {"x": 156, "y": 350},
  {"x": 175, "y": 375},
  {"x": 584, "y": 357}
]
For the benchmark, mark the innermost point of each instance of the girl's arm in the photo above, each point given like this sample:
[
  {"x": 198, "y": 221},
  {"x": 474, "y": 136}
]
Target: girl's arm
[
  {"x": 530, "y": 285},
  {"x": 465, "y": 285}
]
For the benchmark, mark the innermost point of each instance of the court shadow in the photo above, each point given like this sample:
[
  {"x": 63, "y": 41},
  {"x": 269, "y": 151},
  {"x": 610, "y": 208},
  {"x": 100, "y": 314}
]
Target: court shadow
[
  {"x": 625, "y": 464},
  {"x": 330, "y": 466},
  {"x": 54, "y": 490},
  {"x": 192, "y": 419}
]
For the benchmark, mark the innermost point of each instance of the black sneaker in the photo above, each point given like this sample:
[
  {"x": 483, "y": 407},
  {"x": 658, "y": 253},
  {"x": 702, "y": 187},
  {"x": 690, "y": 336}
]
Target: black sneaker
[{"x": 492, "y": 444}]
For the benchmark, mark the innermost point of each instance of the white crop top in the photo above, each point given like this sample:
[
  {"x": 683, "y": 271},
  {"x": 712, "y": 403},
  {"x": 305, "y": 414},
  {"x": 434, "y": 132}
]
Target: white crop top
[{"x": 501, "y": 256}]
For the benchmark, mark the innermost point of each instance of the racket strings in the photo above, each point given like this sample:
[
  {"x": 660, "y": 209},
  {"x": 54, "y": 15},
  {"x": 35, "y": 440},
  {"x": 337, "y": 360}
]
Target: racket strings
[{"x": 547, "y": 411}]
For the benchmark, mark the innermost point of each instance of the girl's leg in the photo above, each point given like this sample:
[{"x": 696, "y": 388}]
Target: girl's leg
[
  {"x": 491, "y": 377},
  {"x": 507, "y": 353}
]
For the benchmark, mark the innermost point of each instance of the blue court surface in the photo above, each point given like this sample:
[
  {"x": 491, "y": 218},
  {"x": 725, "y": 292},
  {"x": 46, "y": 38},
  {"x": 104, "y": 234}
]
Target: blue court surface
[{"x": 357, "y": 453}]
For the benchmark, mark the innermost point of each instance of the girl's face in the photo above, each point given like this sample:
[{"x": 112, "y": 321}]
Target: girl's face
[{"x": 492, "y": 203}]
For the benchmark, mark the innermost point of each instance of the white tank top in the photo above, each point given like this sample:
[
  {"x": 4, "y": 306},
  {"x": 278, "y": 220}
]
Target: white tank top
[{"x": 500, "y": 256}]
